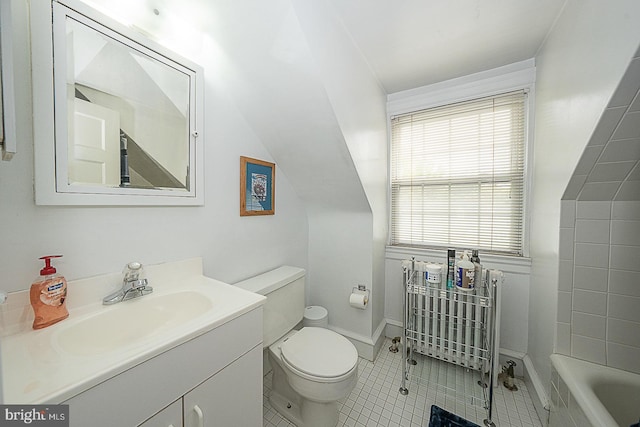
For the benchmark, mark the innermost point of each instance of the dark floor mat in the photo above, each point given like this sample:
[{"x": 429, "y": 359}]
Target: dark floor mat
[{"x": 441, "y": 418}]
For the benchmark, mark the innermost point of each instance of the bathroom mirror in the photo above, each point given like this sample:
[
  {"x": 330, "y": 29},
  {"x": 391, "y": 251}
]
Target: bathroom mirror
[
  {"x": 116, "y": 116},
  {"x": 8, "y": 142}
]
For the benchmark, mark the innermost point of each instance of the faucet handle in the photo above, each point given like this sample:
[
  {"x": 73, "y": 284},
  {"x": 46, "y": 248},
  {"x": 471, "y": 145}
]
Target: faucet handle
[
  {"x": 133, "y": 271},
  {"x": 134, "y": 265}
]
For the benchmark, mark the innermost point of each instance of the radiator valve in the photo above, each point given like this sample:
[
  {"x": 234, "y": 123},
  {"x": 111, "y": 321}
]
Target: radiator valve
[{"x": 509, "y": 381}]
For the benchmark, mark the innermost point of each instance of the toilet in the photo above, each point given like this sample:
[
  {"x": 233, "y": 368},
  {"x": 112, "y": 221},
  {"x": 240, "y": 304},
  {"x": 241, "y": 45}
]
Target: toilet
[{"x": 314, "y": 367}]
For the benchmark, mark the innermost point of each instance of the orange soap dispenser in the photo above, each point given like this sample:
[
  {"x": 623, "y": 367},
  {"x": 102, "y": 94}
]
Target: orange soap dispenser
[{"x": 48, "y": 294}]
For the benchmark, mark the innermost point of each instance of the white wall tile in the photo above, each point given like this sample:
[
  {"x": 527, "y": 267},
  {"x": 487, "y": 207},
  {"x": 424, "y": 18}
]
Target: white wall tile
[
  {"x": 623, "y": 332},
  {"x": 623, "y": 357},
  {"x": 592, "y": 231},
  {"x": 623, "y": 307},
  {"x": 590, "y": 302},
  {"x": 599, "y": 190},
  {"x": 563, "y": 391},
  {"x": 629, "y": 127},
  {"x": 624, "y": 149},
  {"x": 589, "y": 349},
  {"x": 568, "y": 213},
  {"x": 588, "y": 159},
  {"x": 635, "y": 105},
  {"x": 626, "y": 210},
  {"x": 589, "y": 325},
  {"x": 563, "y": 338},
  {"x": 625, "y": 233},
  {"x": 635, "y": 173},
  {"x": 592, "y": 255},
  {"x": 564, "y": 307},
  {"x": 573, "y": 187},
  {"x": 625, "y": 257},
  {"x": 630, "y": 190},
  {"x": 616, "y": 171},
  {"x": 566, "y": 243},
  {"x": 628, "y": 87},
  {"x": 565, "y": 275},
  {"x": 593, "y": 210},
  {"x": 607, "y": 125},
  {"x": 576, "y": 413},
  {"x": 589, "y": 278},
  {"x": 624, "y": 282}
]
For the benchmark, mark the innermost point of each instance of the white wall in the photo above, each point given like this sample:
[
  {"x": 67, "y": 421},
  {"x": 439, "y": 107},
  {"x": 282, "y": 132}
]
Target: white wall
[
  {"x": 578, "y": 68},
  {"x": 358, "y": 101},
  {"x": 96, "y": 240}
]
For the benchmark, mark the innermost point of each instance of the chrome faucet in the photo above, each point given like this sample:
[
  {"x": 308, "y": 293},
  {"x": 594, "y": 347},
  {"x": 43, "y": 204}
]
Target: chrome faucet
[{"x": 134, "y": 285}]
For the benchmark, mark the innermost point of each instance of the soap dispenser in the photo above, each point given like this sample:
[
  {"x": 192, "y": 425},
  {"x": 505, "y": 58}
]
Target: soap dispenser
[{"x": 48, "y": 295}]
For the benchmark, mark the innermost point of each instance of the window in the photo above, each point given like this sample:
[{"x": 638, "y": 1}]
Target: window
[{"x": 457, "y": 175}]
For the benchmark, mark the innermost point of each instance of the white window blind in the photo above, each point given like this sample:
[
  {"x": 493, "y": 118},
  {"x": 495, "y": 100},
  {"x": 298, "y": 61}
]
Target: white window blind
[{"x": 457, "y": 175}]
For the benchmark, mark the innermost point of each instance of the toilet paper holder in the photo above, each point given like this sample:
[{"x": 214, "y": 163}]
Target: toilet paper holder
[{"x": 361, "y": 289}]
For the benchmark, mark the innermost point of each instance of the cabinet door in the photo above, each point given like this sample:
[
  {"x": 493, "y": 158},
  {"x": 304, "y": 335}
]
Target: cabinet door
[
  {"x": 232, "y": 397},
  {"x": 171, "y": 416}
]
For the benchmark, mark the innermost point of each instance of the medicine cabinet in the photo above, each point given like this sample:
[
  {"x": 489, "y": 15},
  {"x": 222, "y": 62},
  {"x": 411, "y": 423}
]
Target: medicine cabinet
[{"x": 117, "y": 118}]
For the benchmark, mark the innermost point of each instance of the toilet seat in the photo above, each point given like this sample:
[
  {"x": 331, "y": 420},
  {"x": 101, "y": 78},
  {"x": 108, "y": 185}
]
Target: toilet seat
[{"x": 320, "y": 354}]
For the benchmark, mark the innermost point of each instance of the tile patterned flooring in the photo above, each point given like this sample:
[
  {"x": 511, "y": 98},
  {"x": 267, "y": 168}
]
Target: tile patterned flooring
[{"x": 376, "y": 401}]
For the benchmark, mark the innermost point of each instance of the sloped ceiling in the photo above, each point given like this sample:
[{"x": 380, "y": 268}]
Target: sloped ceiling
[{"x": 268, "y": 66}]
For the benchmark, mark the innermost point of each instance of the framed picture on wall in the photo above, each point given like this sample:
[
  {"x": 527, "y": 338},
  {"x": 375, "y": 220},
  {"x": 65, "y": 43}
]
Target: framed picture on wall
[{"x": 257, "y": 187}]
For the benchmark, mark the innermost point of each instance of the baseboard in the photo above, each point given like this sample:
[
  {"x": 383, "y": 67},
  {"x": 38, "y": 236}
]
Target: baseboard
[
  {"x": 537, "y": 390},
  {"x": 393, "y": 329},
  {"x": 516, "y": 356},
  {"x": 367, "y": 347}
]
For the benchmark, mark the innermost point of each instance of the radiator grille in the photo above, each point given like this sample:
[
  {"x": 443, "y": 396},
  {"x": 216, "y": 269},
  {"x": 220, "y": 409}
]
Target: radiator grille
[{"x": 450, "y": 325}]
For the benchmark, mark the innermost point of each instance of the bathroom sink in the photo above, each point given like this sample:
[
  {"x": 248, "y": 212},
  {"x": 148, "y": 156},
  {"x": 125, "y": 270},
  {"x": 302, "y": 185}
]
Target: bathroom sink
[
  {"x": 98, "y": 342},
  {"x": 130, "y": 322}
]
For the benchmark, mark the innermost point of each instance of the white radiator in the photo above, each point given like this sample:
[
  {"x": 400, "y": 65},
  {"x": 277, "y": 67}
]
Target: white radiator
[{"x": 451, "y": 325}]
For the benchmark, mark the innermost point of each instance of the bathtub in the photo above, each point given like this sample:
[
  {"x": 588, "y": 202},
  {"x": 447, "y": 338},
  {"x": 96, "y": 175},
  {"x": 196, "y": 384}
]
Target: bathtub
[{"x": 585, "y": 393}]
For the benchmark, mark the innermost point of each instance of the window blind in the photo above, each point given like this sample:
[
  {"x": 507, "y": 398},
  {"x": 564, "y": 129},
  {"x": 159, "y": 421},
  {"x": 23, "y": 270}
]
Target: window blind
[{"x": 457, "y": 175}]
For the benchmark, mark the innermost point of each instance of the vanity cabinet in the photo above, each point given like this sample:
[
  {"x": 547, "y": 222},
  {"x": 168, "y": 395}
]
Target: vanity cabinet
[
  {"x": 227, "y": 398},
  {"x": 171, "y": 416},
  {"x": 218, "y": 372},
  {"x": 222, "y": 400}
]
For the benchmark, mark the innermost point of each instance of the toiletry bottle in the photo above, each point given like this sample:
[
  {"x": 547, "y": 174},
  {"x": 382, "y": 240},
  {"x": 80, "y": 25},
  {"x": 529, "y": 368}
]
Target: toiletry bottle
[
  {"x": 451, "y": 266},
  {"x": 477, "y": 277},
  {"x": 465, "y": 273},
  {"x": 48, "y": 294}
]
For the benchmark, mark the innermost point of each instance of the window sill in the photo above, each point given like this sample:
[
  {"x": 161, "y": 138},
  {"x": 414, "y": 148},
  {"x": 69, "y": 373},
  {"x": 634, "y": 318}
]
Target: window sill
[{"x": 508, "y": 264}]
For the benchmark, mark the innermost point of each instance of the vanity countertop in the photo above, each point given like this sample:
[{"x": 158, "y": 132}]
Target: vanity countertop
[{"x": 50, "y": 365}]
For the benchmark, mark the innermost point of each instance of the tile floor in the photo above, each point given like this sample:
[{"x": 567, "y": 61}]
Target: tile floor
[{"x": 376, "y": 400}]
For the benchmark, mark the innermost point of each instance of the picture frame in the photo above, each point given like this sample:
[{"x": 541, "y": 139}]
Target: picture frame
[{"x": 257, "y": 187}]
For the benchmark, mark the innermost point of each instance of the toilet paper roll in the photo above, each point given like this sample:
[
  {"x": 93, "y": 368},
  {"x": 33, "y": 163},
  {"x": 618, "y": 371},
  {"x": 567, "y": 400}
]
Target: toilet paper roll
[{"x": 358, "y": 300}]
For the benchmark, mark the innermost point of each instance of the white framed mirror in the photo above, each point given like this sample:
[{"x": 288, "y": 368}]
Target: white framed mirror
[{"x": 117, "y": 117}]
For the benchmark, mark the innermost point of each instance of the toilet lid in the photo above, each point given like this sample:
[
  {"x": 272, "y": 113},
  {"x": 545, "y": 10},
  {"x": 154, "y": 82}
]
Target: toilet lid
[{"x": 320, "y": 352}]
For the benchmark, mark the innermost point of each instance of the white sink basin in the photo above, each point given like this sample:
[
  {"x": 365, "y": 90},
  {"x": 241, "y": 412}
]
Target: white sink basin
[
  {"x": 98, "y": 342},
  {"x": 130, "y": 322}
]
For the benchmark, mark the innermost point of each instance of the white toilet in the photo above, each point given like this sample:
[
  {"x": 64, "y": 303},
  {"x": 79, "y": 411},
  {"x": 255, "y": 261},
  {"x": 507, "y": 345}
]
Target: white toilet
[{"x": 312, "y": 368}]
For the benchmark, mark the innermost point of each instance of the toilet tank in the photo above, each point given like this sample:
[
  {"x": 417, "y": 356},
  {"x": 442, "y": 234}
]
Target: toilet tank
[{"x": 284, "y": 309}]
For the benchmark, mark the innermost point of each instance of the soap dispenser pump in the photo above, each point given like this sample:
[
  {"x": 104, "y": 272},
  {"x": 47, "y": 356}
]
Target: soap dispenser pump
[{"x": 48, "y": 295}]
